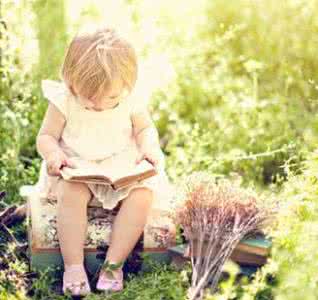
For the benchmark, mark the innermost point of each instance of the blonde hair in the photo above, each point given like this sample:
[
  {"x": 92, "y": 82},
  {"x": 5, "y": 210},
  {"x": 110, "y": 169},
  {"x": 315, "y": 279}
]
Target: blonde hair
[{"x": 93, "y": 62}]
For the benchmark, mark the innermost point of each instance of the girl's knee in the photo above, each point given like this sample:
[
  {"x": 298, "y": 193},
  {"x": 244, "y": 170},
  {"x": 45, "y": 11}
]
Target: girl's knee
[{"x": 69, "y": 190}]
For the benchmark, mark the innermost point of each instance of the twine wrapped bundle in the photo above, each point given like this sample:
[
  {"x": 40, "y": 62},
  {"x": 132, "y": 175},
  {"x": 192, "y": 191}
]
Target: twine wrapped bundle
[{"x": 214, "y": 216}]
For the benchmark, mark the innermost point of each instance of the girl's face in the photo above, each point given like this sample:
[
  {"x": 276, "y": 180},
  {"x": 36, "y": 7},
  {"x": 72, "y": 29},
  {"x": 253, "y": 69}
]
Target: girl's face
[{"x": 110, "y": 100}]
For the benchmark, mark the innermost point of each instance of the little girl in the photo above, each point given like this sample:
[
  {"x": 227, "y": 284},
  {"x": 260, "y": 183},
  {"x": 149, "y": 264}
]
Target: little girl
[{"x": 95, "y": 114}]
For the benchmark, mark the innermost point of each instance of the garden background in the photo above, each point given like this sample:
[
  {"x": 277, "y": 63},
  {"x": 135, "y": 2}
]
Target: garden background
[{"x": 232, "y": 89}]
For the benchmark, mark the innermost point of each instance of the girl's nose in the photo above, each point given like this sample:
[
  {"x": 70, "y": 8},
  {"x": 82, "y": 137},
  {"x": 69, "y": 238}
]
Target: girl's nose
[
  {"x": 86, "y": 102},
  {"x": 98, "y": 105}
]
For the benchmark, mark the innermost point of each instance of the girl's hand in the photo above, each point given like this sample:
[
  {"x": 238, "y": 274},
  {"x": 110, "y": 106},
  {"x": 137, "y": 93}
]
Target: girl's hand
[
  {"x": 56, "y": 161},
  {"x": 155, "y": 157}
]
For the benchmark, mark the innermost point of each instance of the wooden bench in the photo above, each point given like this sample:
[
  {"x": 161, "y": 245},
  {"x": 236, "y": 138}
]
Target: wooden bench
[{"x": 159, "y": 233}]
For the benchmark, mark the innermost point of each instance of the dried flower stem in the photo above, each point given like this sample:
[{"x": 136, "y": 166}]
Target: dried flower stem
[{"x": 214, "y": 217}]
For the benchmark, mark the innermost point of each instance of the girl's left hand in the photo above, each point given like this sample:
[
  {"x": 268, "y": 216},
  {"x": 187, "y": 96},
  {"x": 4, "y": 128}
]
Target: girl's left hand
[{"x": 156, "y": 158}]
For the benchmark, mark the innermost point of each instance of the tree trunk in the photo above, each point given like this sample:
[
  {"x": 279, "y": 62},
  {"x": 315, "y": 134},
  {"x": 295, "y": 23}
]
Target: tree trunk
[{"x": 51, "y": 30}]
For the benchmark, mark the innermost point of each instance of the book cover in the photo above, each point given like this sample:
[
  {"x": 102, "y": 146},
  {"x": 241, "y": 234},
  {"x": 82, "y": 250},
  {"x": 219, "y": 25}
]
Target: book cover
[{"x": 250, "y": 251}]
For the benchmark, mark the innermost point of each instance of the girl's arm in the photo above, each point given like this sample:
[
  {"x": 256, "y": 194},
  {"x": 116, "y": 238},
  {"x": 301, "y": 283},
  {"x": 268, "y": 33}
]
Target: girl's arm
[
  {"x": 50, "y": 132},
  {"x": 147, "y": 139},
  {"x": 47, "y": 141},
  {"x": 145, "y": 132}
]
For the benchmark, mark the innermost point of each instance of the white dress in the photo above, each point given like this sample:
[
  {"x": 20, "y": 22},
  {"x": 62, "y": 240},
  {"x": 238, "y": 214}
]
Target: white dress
[{"x": 96, "y": 136}]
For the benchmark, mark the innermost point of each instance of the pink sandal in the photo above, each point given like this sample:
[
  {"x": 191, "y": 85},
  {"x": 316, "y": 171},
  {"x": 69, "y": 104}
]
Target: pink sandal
[
  {"x": 76, "y": 288},
  {"x": 106, "y": 284}
]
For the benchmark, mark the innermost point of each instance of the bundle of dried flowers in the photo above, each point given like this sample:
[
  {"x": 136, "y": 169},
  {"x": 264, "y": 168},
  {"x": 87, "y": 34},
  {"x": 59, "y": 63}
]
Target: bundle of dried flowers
[{"x": 215, "y": 216}]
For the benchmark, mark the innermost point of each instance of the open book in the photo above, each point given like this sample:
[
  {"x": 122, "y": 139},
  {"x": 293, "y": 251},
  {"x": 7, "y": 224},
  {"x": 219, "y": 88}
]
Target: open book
[{"x": 116, "y": 175}]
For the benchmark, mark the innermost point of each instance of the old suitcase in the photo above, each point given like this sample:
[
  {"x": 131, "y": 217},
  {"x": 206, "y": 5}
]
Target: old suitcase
[{"x": 159, "y": 233}]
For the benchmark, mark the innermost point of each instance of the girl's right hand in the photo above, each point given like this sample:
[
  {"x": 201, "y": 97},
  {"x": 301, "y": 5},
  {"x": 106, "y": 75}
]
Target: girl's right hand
[{"x": 56, "y": 161}]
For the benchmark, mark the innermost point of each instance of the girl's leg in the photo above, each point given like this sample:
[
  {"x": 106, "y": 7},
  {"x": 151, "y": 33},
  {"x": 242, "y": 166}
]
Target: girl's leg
[
  {"x": 73, "y": 198},
  {"x": 129, "y": 224}
]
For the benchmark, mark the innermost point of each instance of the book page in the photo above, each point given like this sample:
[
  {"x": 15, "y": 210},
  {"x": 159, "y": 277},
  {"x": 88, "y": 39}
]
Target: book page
[
  {"x": 83, "y": 168},
  {"x": 123, "y": 166},
  {"x": 114, "y": 167}
]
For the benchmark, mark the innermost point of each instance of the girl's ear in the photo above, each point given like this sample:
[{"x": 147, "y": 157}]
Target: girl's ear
[{"x": 125, "y": 93}]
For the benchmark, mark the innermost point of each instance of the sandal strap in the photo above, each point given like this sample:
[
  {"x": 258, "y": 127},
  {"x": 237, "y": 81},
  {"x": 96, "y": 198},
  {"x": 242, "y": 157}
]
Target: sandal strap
[
  {"x": 109, "y": 267},
  {"x": 72, "y": 286},
  {"x": 77, "y": 283},
  {"x": 112, "y": 282},
  {"x": 83, "y": 284},
  {"x": 103, "y": 278}
]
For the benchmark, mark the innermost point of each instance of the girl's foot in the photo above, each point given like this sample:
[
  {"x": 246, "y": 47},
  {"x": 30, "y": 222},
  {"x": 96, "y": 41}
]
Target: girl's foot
[
  {"x": 110, "y": 277},
  {"x": 75, "y": 280}
]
